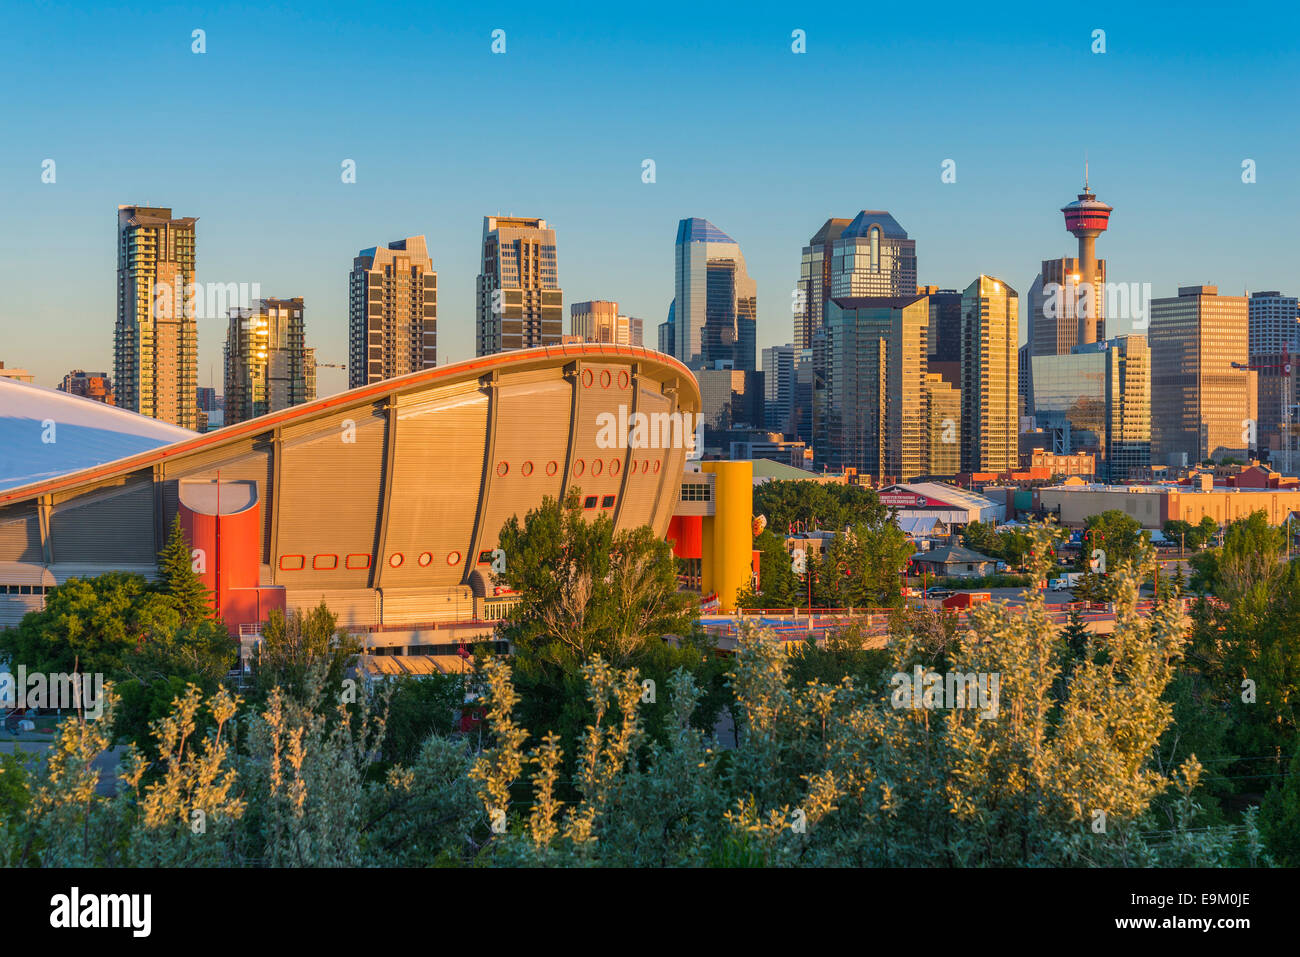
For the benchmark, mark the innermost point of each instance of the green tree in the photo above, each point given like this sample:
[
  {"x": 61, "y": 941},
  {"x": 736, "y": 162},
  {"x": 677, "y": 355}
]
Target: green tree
[
  {"x": 294, "y": 648},
  {"x": 176, "y": 575},
  {"x": 587, "y": 589}
]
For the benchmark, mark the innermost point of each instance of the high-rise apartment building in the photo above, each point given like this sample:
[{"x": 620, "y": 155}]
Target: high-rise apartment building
[
  {"x": 1201, "y": 406},
  {"x": 392, "y": 312},
  {"x": 89, "y": 385},
  {"x": 598, "y": 321},
  {"x": 778, "y": 387},
  {"x": 814, "y": 289},
  {"x": 873, "y": 257},
  {"x": 1127, "y": 449},
  {"x": 715, "y": 304},
  {"x": 944, "y": 333},
  {"x": 519, "y": 303},
  {"x": 1274, "y": 346},
  {"x": 990, "y": 328},
  {"x": 156, "y": 340},
  {"x": 943, "y": 426},
  {"x": 1274, "y": 323},
  {"x": 266, "y": 360},
  {"x": 876, "y": 406}
]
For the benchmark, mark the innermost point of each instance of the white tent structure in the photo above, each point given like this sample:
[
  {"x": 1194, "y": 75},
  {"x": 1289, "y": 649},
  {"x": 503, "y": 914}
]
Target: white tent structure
[{"x": 45, "y": 432}]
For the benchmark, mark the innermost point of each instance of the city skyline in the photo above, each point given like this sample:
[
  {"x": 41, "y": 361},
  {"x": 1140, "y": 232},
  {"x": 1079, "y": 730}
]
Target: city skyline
[{"x": 289, "y": 224}]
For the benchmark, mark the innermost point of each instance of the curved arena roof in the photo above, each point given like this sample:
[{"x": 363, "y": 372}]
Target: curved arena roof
[
  {"x": 45, "y": 433},
  {"x": 382, "y": 499}
]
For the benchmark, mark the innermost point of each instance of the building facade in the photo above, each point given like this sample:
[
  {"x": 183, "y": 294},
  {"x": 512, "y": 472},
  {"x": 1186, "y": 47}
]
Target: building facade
[
  {"x": 714, "y": 315},
  {"x": 990, "y": 326},
  {"x": 873, "y": 257},
  {"x": 875, "y": 416},
  {"x": 943, "y": 426},
  {"x": 392, "y": 312},
  {"x": 89, "y": 385},
  {"x": 156, "y": 339},
  {"x": 598, "y": 321},
  {"x": 814, "y": 289},
  {"x": 778, "y": 387},
  {"x": 519, "y": 303},
  {"x": 1200, "y": 403},
  {"x": 1274, "y": 344},
  {"x": 266, "y": 360}
]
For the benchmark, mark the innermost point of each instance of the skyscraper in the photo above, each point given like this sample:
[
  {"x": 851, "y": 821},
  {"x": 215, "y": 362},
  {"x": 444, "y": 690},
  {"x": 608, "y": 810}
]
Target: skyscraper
[
  {"x": 814, "y": 289},
  {"x": 519, "y": 303},
  {"x": 943, "y": 426},
  {"x": 1127, "y": 451},
  {"x": 1274, "y": 344},
  {"x": 598, "y": 321},
  {"x": 715, "y": 304},
  {"x": 1097, "y": 400},
  {"x": 876, "y": 404},
  {"x": 392, "y": 312},
  {"x": 1200, "y": 403},
  {"x": 778, "y": 387},
  {"x": 156, "y": 340},
  {"x": 990, "y": 324},
  {"x": 873, "y": 257},
  {"x": 266, "y": 360},
  {"x": 944, "y": 333}
]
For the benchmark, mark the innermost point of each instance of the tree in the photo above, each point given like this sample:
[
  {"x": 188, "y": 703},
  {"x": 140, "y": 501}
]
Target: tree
[
  {"x": 863, "y": 567},
  {"x": 176, "y": 575},
  {"x": 1279, "y": 819},
  {"x": 91, "y": 625},
  {"x": 1118, "y": 535},
  {"x": 816, "y": 505},
  {"x": 779, "y": 585},
  {"x": 587, "y": 589},
  {"x": 297, "y": 646}
]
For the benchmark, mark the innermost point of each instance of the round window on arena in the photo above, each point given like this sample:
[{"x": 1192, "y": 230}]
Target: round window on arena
[
  {"x": 615, "y": 466},
  {"x": 453, "y": 558},
  {"x": 503, "y": 468},
  {"x": 425, "y": 558},
  {"x": 587, "y": 378},
  {"x": 623, "y": 380},
  {"x": 597, "y": 467},
  {"x": 526, "y": 469},
  {"x": 605, "y": 379},
  {"x": 396, "y": 559},
  {"x": 552, "y": 467},
  {"x": 579, "y": 467}
]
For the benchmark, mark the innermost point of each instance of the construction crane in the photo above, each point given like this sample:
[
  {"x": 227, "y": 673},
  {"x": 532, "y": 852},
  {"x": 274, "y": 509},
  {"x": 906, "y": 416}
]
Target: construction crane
[
  {"x": 331, "y": 365},
  {"x": 1279, "y": 365}
]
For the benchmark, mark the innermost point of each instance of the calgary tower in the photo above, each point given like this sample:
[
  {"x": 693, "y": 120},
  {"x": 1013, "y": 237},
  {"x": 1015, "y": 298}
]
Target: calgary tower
[{"x": 1087, "y": 218}]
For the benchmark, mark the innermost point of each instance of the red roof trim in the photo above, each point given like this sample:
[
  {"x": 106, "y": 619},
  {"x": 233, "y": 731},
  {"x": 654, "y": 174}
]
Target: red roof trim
[{"x": 358, "y": 395}]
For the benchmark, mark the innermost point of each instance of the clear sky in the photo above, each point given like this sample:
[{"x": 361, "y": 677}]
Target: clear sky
[{"x": 765, "y": 143}]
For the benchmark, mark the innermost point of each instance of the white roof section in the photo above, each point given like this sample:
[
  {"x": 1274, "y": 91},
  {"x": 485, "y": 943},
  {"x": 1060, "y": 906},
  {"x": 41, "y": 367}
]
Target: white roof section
[
  {"x": 45, "y": 433},
  {"x": 954, "y": 496}
]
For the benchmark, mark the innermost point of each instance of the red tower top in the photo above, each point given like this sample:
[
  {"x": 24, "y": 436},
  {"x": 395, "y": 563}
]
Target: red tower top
[{"x": 1086, "y": 216}]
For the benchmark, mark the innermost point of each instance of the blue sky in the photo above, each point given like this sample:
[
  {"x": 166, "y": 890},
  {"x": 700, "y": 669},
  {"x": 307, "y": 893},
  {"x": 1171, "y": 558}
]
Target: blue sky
[{"x": 250, "y": 135}]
